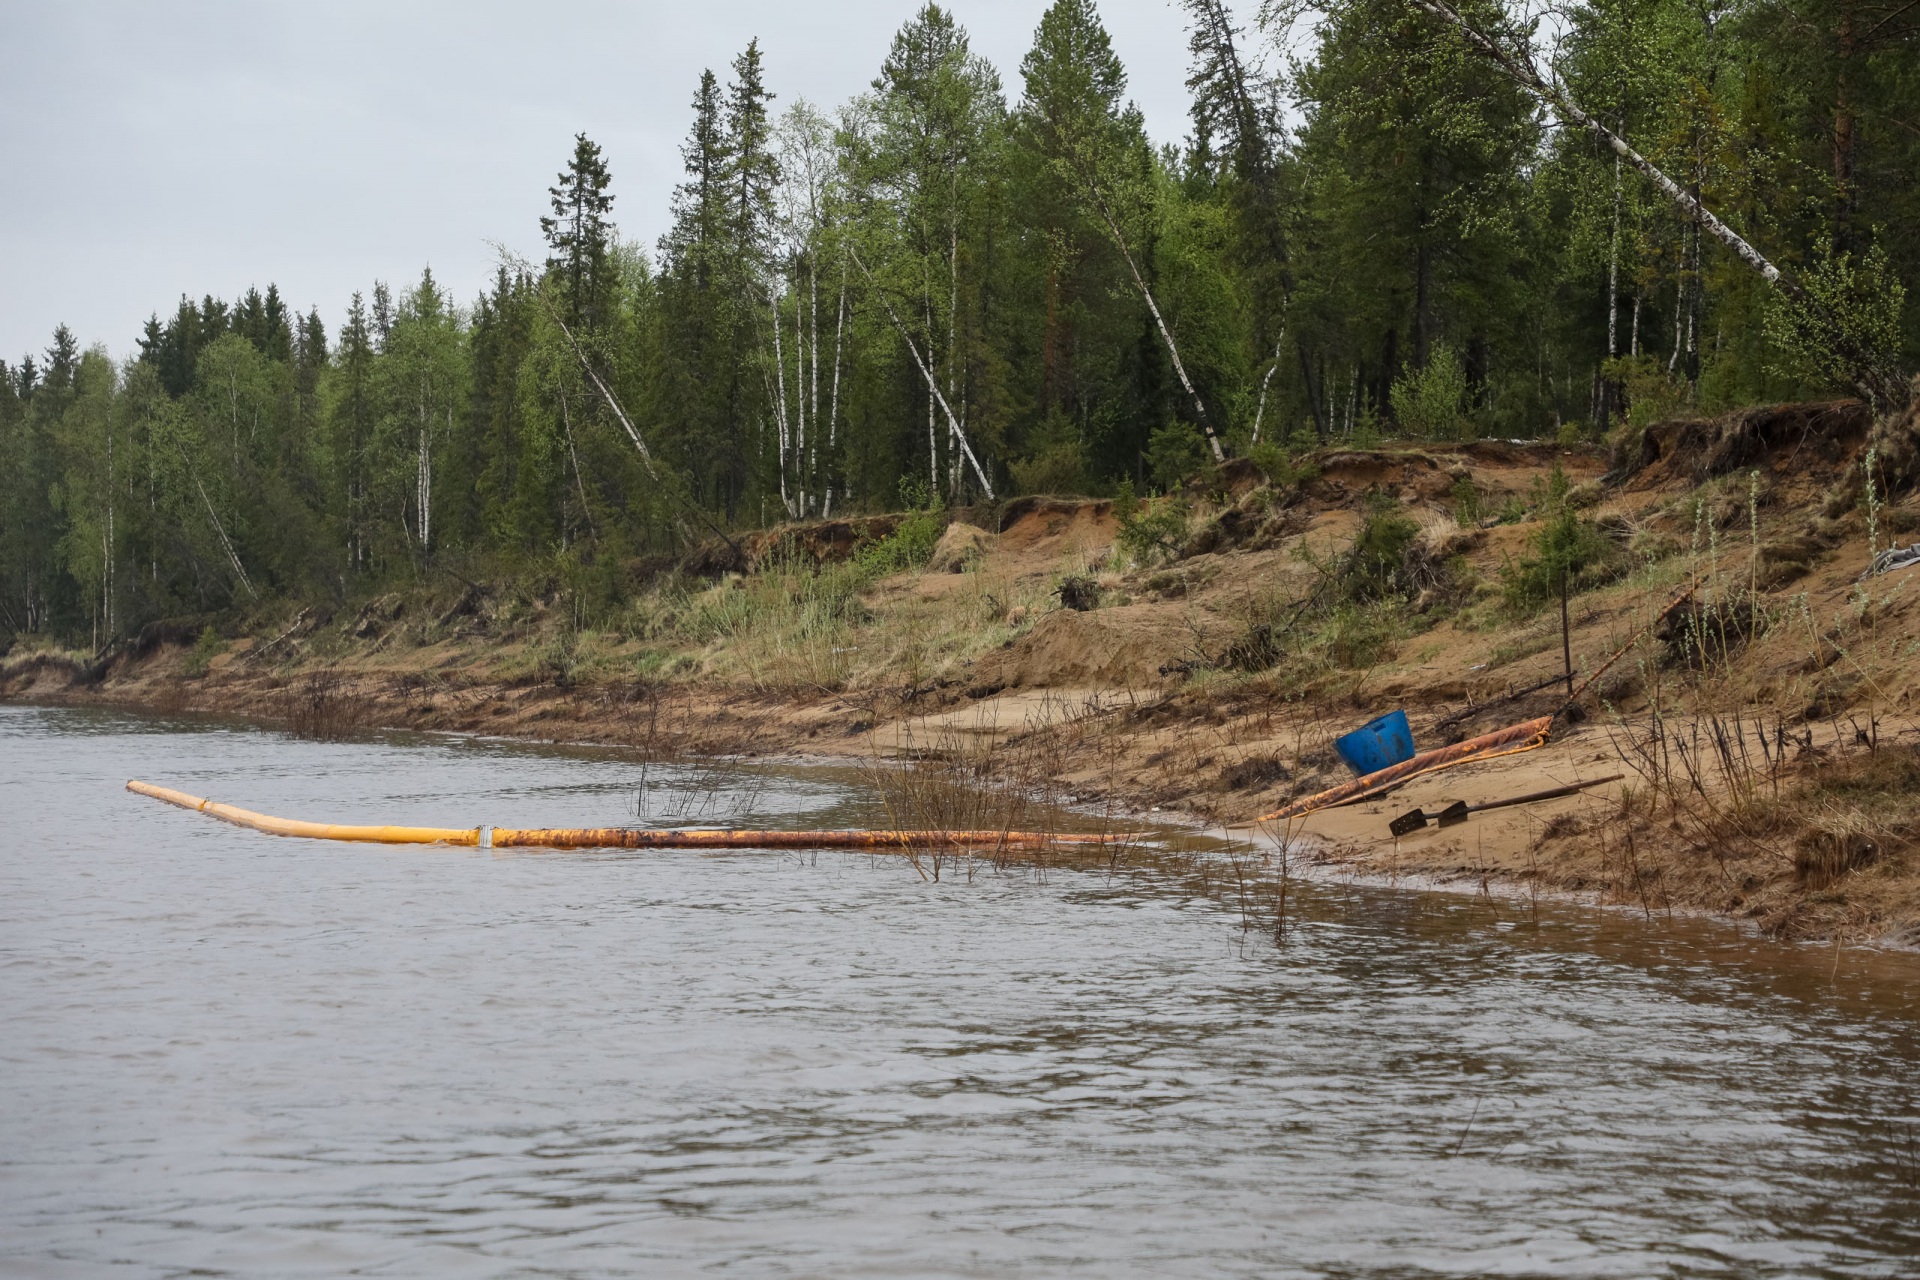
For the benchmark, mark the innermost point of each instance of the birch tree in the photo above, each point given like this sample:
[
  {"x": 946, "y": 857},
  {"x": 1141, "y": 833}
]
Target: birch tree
[
  {"x": 1073, "y": 113},
  {"x": 1835, "y": 315},
  {"x": 421, "y": 382},
  {"x": 808, "y": 204},
  {"x": 919, "y": 148}
]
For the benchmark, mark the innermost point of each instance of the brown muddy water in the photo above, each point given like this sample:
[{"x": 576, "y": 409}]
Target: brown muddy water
[{"x": 229, "y": 1054}]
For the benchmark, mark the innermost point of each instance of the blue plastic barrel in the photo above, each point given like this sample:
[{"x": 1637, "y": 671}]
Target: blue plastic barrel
[{"x": 1374, "y": 746}]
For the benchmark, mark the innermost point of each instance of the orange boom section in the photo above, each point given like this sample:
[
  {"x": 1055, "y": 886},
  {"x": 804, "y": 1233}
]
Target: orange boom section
[{"x": 623, "y": 837}]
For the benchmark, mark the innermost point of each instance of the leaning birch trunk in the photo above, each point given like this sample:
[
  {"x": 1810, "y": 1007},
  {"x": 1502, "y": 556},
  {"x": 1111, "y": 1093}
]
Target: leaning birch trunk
[
  {"x": 233, "y": 557},
  {"x": 780, "y": 402},
  {"x": 666, "y": 483},
  {"x": 933, "y": 385},
  {"x": 1261, "y": 411},
  {"x": 579, "y": 480},
  {"x": 1882, "y": 388},
  {"x": 1519, "y": 67},
  {"x": 1166, "y": 335}
]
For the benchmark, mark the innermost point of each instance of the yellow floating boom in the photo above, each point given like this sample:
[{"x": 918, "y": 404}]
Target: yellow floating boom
[{"x": 621, "y": 837}]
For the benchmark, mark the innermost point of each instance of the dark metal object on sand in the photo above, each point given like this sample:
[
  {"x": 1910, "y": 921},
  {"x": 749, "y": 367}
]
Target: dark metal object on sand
[{"x": 1458, "y": 811}]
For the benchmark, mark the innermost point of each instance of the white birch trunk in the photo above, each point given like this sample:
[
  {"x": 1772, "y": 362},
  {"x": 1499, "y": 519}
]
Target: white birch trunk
[
  {"x": 1679, "y": 307},
  {"x": 423, "y": 473},
  {"x": 953, "y": 318},
  {"x": 799, "y": 409},
  {"x": 813, "y": 325},
  {"x": 1613, "y": 271},
  {"x": 959, "y": 434},
  {"x": 1261, "y": 411},
  {"x": 833, "y": 400},
  {"x": 780, "y": 403},
  {"x": 1166, "y": 335}
]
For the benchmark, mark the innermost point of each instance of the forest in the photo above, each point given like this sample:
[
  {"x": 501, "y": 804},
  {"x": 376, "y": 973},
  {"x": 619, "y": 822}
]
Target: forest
[{"x": 1388, "y": 218}]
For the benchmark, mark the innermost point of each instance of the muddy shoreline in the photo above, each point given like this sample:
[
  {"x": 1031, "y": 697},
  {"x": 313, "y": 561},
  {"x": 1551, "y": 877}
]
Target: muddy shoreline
[
  {"x": 691, "y": 722},
  {"x": 1768, "y": 736}
]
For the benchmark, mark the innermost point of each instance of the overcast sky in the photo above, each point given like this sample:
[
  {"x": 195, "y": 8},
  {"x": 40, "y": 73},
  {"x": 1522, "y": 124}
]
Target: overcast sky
[{"x": 154, "y": 149}]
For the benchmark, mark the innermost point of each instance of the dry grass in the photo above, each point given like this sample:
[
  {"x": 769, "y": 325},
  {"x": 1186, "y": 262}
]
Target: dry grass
[
  {"x": 952, "y": 779},
  {"x": 1806, "y": 829},
  {"x": 793, "y": 628},
  {"x": 322, "y": 707},
  {"x": 955, "y": 779}
]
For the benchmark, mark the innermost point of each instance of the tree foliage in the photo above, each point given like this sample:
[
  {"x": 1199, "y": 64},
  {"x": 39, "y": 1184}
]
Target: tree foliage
[{"x": 975, "y": 285}]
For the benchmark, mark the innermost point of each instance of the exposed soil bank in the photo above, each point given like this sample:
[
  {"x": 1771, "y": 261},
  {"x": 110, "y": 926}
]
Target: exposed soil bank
[{"x": 1767, "y": 735}]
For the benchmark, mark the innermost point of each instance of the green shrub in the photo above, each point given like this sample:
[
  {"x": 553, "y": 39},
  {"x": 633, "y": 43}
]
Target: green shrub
[
  {"x": 1175, "y": 452},
  {"x": 1431, "y": 402},
  {"x": 1466, "y": 502},
  {"x": 1060, "y": 468},
  {"x": 1371, "y": 569},
  {"x": 1279, "y": 466},
  {"x": 1566, "y": 547},
  {"x": 1056, "y": 459},
  {"x": 1359, "y": 636},
  {"x": 912, "y": 541},
  {"x": 1652, "y": 394},
  {"x": 208, "y": 647},
  {"x": 558, "y": 659},
  {"x": 1149, "y": 531},
  {"x": 1844, "y": 328}
]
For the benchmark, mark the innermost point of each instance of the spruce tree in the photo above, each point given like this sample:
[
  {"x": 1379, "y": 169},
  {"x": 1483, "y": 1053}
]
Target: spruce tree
[
  {"x": 1233, "y": 102},
  {"x": 755, "y": 172},
  {"x": 752, "y": 175},
  {"x": 63, "y": 359},
  {"x": 700, "y": 202},
  {"x": 276, "y": 338},
  {"x": 580, "y": 234},
  {"x": 350, "y": 427},
  {"x": 694, "y": 336},
  {"x": 382, "y": 331}
]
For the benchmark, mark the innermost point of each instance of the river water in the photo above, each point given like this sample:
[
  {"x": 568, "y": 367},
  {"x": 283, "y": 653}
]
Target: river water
[{"x": 227, "y": 1054}]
